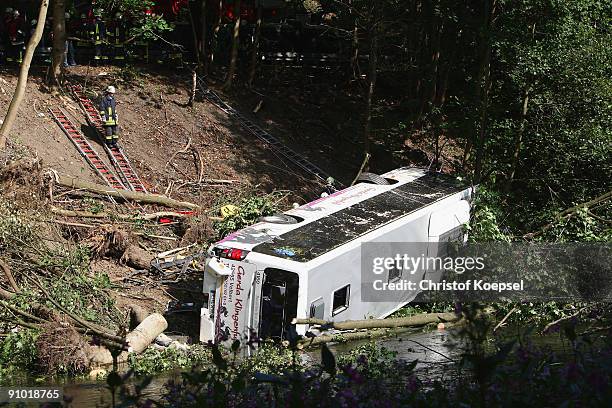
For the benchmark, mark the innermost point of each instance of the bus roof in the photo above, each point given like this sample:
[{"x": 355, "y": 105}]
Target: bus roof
[
  {"x": 314, "y": 239},
  {"x": 345, "y": 215}
]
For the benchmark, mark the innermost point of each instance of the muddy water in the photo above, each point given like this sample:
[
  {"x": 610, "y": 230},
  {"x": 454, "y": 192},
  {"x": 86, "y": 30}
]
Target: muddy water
[
  {"x": 438, "y": 354},
  {"x": 436, "y": 351}
]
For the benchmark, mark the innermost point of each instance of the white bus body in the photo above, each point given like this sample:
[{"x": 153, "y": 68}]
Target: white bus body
[{"x": 258, "y": 279}]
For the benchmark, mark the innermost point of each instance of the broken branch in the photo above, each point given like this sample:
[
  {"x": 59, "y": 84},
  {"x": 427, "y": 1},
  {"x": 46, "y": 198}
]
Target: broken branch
[{"x": 74, "y": 182}]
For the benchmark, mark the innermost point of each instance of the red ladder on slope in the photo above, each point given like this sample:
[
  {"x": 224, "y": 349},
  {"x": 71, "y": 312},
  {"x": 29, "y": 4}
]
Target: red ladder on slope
[
  {"x": 86, "y": 150},
  {"x": 116, "y": 154}
]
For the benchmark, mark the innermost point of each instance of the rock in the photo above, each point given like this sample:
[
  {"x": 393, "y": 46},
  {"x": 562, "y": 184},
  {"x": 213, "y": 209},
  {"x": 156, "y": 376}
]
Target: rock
[
  {"x": 163, "y": 340},
  {"x": 97, "y": 373},
  {"x": 179, "y": 346}
]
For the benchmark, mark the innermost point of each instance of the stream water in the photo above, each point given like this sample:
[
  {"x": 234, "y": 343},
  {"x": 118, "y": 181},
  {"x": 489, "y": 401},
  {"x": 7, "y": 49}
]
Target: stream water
[{"x": 437, "y": 352}]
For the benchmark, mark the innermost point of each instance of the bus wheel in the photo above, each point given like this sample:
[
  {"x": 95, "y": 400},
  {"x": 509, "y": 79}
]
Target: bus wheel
[
  {"x": 278, "y": 219},
  {"x": 373, "y": 179}
]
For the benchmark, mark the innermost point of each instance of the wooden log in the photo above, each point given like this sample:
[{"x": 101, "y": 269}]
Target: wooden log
[
  {"x": 417, "y": 320},
  {"x": 74, "y": 182},
  {"x": 146, "y": 332}
]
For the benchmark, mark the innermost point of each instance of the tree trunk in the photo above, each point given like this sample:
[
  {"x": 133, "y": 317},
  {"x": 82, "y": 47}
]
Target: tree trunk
[
  {"x": 417, "y": 320},
  {"x": 75, "y": 182},
  {"x": 518, "y": 140},
  {"x": 372, "y": 72},
  {"x": 235, "y": 44},
  {"x": 483, "y": 86},
  {"x": 194, "y": 34},
  {"x": 194, "y": 87},
  {"x": 215, "y": 34},
  {"x": 23, "y": 74},
  {"x": 255, "y": 51},
  {"x": 59, "y": 40},
  {"x": 203, "y": 37}
]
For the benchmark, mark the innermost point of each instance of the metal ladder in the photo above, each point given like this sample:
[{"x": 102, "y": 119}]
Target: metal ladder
[
  {"x": 86, "y": 150},
  {"x": 276, "y": 145},
  {"x": 116, "y": 154}
]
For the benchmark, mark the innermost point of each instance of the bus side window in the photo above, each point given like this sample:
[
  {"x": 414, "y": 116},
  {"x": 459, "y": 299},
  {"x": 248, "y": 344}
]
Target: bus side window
[
  {"x": 341, "y": 300},
  {"x": 317, "y": 309}
]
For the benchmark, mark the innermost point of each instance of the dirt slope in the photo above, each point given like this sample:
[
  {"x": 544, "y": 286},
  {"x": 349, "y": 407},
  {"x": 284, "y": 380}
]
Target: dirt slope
[{"x": 155, "y": 123}]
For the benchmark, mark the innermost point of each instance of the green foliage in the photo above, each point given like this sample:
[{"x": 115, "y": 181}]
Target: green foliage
[
  {"x": 153, "y": 361},
  {"x": 250, "y": 209},
  {"x": 485, "y": 225},
  {"x": 580, "y": 227},
  {"x": 95, "y": 206},
  {"x": 412, "y": 309},
  {"x": 79, "y": 290},
  {"x": 15, "y": 227},
  {"x": 312, "y": 6},
  {"x": 17, "y": 352},
  {"x": 379, "y": 360},
  {"x": 150, "y": 27},
  {"x": 270, "y": 358}
]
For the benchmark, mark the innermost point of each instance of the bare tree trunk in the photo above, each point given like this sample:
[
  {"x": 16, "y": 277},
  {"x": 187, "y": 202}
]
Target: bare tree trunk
[
  {"x": 481, "y": 91},
  {"x": 23, "y": 74},
  {"x": 486, "y": 87},
  {"x": 215, "y": 34},
  {"x": 372, "y": 72},
  {"x": 194, "y": 87},
  {"x": 255, "y": 52},
  {"x": 518, "y": 140},
  {"x": 235, "y": 44},
  {"x": 59, "y": 40},
  {"x": 354, "y": 67},
  {"x": 194, "y": 34},
  {"x": 203, "y": 36}
]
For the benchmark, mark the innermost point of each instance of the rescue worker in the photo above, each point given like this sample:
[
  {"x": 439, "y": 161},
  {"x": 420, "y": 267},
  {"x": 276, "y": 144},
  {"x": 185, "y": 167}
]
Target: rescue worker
[
  {"x": 17, "y": 39},
  {"x": 108, "y": 112},
  {"x": 99, "y": 37},
  {"x": 4, "y": 37},
  {"x": 69, "y": 54},
  {"x": 118, "y": 36}
]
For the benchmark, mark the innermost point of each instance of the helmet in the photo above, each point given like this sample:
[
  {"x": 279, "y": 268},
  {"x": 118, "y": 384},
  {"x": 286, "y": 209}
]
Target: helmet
[
  {"x": 34, "y": 22},
  {"x": 111, "y": 89},
  {"x": 83, "y": 16},
  {"x": 118, "y": 15},
  {"x": 97, "y": 12},
  {"x": 66, "y": 15},
  {"x": 16, "y": 13},
  {"x": 9, "y": 10}
]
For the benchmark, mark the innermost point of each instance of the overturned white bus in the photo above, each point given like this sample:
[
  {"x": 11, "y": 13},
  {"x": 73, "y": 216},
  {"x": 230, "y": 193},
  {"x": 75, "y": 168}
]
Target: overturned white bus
[{"x": 306, "y": 261}]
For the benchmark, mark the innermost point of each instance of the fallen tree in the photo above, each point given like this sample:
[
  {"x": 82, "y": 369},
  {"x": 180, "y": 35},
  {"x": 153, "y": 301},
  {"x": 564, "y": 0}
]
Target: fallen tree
[
  {"x": 74, "y": 182},
  {"x": 412, "y": 321}
]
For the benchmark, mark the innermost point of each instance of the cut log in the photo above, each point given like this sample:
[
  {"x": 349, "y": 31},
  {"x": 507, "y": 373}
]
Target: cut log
[
  {"x": 74, "y": 182},
  {"x": 146, "y": 332},
  {"x": 417, "y": 320}
]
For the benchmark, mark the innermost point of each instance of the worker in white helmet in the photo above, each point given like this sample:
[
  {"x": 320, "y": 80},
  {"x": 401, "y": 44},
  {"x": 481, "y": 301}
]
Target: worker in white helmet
[{"x": 108, "y": 112}]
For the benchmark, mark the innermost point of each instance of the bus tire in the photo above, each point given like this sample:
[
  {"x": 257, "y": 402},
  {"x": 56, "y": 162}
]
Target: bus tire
[
  {"x": 373, "y": 179},
  {"x": 278, "y": 219}
]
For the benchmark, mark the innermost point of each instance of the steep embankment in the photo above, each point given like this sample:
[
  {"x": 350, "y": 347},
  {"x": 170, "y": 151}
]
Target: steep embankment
[{"x": 156, "y": 125}]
